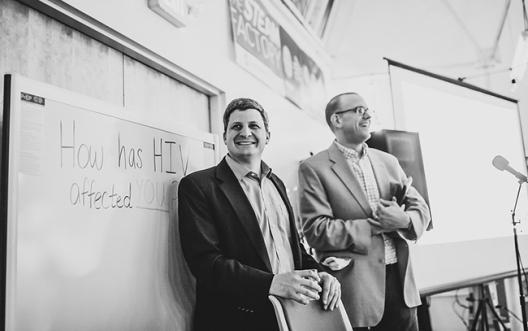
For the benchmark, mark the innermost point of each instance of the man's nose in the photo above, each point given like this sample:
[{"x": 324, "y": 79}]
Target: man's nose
[{"x": 246, "y": 131}]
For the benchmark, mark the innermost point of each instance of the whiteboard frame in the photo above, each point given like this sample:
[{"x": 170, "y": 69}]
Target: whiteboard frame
[{"x": 14, "y": 85}]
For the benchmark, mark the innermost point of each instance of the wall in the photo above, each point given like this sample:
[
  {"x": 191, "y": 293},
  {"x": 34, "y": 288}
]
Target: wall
[
  {"x": 44, "y": 49},
  {"x": 41, "y": 48},
  {"x": 205, "y": 48}
]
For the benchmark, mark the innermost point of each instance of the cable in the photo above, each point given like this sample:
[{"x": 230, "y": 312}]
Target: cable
[
  {"x": 523, "y": 271},
  {"x": 460, "y": 316},
  {"x": 457, "y": 299},
  {"x": 509, "y": 312},
  {"x": 453, "y": 307}
]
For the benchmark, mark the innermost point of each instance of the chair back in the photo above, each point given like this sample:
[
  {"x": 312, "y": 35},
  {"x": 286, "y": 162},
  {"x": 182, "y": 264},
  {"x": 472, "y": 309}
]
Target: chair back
[{"x": 293, "y": 316}]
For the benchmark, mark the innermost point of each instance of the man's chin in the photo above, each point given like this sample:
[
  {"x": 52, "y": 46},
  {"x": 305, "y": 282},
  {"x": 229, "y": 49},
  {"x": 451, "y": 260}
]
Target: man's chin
[
  {"x": 361, "y": 138},
  {"x": 245, "y": 156}
]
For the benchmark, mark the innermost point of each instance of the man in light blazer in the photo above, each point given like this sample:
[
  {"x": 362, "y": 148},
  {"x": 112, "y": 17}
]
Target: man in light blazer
[
  {"x": 239, "y": 236},
  {"x": 352, "y": 220}
]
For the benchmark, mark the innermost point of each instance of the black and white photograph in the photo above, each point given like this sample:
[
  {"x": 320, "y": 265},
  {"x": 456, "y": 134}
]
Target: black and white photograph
[{"x": 263, "y": 165}]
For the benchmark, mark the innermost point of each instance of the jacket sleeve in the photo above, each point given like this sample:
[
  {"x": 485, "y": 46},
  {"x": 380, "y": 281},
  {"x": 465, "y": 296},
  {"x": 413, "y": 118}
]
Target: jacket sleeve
[
  {"x": 203, "y": 252},
  {"x": 323, "y": 231},
  {"x": 415, "y": 207}
]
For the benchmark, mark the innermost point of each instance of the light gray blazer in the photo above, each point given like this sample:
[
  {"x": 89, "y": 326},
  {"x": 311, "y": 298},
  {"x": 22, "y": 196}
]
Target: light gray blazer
[{"x": 334, "y": 212}]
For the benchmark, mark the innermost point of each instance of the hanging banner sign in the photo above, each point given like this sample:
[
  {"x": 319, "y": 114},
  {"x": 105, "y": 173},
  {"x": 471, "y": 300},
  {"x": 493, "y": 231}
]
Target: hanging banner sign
[
  {"x": 257, "y": 41},
  {"x": 303, "y": 79}
]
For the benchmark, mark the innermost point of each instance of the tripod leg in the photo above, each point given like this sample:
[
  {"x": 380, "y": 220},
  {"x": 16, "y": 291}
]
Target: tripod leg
[
  {"x": 497, "y": 317},
  {"x": 484, "y": 319},
  {"x": 477, "y": 315}
]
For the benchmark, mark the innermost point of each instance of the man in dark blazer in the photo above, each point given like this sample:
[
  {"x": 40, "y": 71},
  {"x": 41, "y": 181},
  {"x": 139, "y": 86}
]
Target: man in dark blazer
[
  {"x": 353, "y": 221},
  {"x": 239, "y": 237}
]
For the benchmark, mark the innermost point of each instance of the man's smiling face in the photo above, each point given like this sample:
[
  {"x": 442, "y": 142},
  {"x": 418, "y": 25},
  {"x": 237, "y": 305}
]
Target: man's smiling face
[
  {"x": 355, "y": 127},
  {"x": 246, "y": 136}
]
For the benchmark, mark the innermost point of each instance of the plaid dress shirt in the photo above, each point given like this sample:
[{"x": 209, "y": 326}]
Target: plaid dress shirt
[{"x": 361, "y": 167}]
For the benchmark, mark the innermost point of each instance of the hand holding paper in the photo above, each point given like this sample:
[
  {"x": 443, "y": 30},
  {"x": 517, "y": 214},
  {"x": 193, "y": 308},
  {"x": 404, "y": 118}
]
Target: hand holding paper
[
  {"x": 401, "y": 194},
  {"x": 336, "y": 263}
]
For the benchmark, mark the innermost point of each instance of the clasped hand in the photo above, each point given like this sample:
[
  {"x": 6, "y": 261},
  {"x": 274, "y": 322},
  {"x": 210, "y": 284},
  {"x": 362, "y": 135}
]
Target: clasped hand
[
  {"x": 388, "y": 216},
  {"x": 305, "y": 285}
]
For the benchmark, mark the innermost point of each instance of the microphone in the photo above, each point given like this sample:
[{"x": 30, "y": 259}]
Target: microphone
[{"x": 502, "y": 164}]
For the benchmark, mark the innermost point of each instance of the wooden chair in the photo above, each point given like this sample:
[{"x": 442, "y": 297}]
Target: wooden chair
[{"x": 293, "y": 316}]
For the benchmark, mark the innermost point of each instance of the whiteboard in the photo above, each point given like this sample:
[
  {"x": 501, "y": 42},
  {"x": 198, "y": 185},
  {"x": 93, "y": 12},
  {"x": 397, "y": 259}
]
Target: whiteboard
[
  {"x": 92, "y": 235},
  {"x": 461, "y": 130}
]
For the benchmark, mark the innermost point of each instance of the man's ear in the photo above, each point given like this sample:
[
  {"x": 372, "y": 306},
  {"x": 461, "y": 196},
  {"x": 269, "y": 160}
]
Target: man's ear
[
  {"x": 335, "y": 120},
  {"x": 268, "y": 136},
  {"x": 224, "y": 135}
]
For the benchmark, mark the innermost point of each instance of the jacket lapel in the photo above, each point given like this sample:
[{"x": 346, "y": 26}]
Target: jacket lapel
[
  {"x": 242, "y": 207},
  {"x": 378, "y": 168},
  {"x": 343, "y": 171},
  {"x": 294, "y": 242}
]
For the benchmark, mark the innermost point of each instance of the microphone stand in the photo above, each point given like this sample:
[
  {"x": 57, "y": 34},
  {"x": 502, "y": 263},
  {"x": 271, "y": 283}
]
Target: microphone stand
[{"x": 518, "y": 260}]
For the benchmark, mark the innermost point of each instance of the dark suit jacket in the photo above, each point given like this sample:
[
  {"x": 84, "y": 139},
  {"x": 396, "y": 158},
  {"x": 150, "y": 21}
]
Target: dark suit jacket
[{"x": 224, "y": 248}]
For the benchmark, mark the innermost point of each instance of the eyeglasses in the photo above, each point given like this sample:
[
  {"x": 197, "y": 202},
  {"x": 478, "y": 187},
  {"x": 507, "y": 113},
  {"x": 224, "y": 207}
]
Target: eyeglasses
[{"x": 360, "y": 110}]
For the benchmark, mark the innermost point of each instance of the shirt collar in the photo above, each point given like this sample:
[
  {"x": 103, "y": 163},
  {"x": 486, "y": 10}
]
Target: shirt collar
[
  {"x": 241, "y": 171},
  {"x": 349, "y": 153}
]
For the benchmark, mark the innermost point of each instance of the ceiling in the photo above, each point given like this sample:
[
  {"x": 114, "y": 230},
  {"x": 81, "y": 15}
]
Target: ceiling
[{"x": 472, "y": 39}]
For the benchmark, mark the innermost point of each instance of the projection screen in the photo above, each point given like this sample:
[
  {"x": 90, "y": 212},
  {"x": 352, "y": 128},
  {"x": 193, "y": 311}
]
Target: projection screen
[{"x": 461, "y": 129}]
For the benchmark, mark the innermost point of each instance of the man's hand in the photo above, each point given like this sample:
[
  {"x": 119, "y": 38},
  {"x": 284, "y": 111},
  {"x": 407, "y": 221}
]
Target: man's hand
[
  {"x": 389, "y": 216},
  {"x": 331, "y": 291},
  {"x": 336, "y": 263},
  {"x": 299, "y": 285}
]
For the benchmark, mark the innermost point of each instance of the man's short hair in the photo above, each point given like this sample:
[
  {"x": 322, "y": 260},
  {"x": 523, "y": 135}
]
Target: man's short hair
[
  {"x": 244, "y": 104},
  {"x": 333, "y": 105}
]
